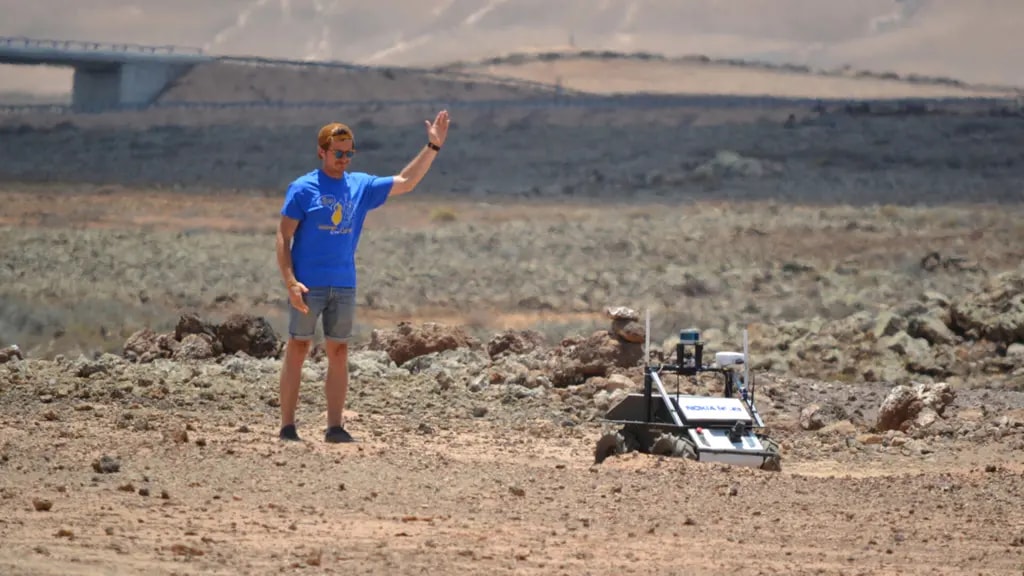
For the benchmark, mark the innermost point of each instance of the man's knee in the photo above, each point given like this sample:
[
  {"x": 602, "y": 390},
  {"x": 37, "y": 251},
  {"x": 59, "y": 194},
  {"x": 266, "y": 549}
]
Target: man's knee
[
  {"x": 298, "y": 348},
  {"x": 337, "y": 351}
]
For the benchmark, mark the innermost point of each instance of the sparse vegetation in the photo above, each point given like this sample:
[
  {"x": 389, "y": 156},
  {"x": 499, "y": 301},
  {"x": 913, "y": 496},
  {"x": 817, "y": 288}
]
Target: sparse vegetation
[
  {"x": 699, "y": 264},
  {"x": 442, "y": 215}
]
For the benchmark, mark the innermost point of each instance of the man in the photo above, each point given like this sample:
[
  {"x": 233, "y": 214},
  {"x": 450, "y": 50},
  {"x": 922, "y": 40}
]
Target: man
[{"x": 321, "y": 220}]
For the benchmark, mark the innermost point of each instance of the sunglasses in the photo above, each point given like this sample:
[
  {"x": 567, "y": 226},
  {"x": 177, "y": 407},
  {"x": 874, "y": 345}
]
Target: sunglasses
[{"x": 343, "y": 153}]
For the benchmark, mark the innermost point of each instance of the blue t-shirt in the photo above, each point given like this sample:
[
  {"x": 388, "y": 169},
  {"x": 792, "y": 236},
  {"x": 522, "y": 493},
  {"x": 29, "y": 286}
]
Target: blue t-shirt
[{"x": 331, "y": 212}]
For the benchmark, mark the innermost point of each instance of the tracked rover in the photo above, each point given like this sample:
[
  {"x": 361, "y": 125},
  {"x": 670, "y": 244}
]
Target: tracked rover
[{"x": 726, "y": 428}]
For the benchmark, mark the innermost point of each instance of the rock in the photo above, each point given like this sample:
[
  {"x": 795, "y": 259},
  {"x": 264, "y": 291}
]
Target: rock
[
  {"x": 408, "y": 341},
  {"x": 905, "y": 345},
  {"x": 869, "y": 439},
  {"x": 84, "y": 368},
  {"x": 995, "y": 314},
  {"x": 370, "y": 364},
  {"x": 887, "y": 324},
  {"x": 196, "y": 346},
  {"x": 629, "y": 330},
  {"x": 893, "y": 356},
  {"x": 815, "y": 417},
  {"x": 727, "y": 163},
  {"x": 925, "y": 418},
  {"x": 902, "y": 408},
  {"x": 106, "y": 465},
  {"x": 190, "y": 323},
  {"x": 841, "y": 428},
  {"x": 932, "y": 297},
  {"x": 514, "y": 342},
  {"x": 12, "y": 352},
  {"x": 616, "y": 396},
  {"x": 935, "y": 396},
  {"x": 593, "y": 356},
  {"x": 146, "y": 345},
  {"x": 622, "y": 313},
  {"x": 619, "y": 382},
  {"x": 252, "y": 335},
  {"x": 932, "y": 329},
  {"x": 916, "y": 447},
  {"x": 811, "y": 418}
]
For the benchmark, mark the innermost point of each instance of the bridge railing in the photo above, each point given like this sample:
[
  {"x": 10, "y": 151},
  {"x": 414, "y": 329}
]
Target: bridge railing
[
  {"x": 86, "y": 46},
  {"x": 634, "y": 102}
]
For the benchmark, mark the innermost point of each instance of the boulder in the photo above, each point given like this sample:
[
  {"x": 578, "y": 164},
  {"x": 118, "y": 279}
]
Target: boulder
[
  {"x": 191, "y": 323},
  {"x": 629, "y": 330},
  {"x": 196, "y": 339},
  {"x": 196, "y": 347},
  {"x": 930, "y": 327},
  {"x": 578, "y": 359},
  {"x": 249, "y": 334},
  {"x": 12, "y": 352},
  {"x": 514, "y": 342},
  {"x": 408, "y": 341},
  {"x": 996, "y": 313},
  {"x": 145, "y": 345},
  {"x": 622, "y": 313},
  {"x": 918, "y": 406}
]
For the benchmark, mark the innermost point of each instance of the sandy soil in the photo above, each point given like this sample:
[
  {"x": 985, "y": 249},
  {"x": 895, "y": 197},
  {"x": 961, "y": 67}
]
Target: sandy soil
[
  {"x": 671, "y": 77},
  {"x": 476, "y": 497}
]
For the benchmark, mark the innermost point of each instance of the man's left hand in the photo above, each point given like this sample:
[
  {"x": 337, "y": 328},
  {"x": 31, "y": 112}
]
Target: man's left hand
[{"x": 438, "y": 131}]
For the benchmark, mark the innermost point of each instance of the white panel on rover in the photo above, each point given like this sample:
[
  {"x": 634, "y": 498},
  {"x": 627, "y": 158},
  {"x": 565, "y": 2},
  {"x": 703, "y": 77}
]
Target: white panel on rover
[
  {"x": 713, "y": 409},
  {"x": 718, "y": 439}
]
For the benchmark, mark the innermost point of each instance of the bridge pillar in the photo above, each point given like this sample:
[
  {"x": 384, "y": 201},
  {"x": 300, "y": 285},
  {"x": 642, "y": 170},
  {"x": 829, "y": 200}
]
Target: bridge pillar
[{"x": 105, "y": 86}]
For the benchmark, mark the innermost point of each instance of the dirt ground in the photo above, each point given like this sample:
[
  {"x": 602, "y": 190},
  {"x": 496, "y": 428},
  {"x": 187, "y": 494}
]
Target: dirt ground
[
  {"x": 448, "y": 481},
  {"x": 874, "y": 253},
  {"x": 474, "y": 498}
]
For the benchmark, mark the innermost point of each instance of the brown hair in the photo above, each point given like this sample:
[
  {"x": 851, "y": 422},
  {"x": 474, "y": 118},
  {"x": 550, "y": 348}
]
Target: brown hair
[{"x": 334, "y": 131}]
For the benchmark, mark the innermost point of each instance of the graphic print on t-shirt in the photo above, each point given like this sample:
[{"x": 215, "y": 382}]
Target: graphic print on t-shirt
[{"x": 338, "y": 213}]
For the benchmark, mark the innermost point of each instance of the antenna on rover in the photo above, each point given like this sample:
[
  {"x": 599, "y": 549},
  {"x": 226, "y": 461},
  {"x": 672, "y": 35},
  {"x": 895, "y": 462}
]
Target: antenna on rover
[
  {"x": 647, "y": 336},
  {"x": 746, "y": 363}
]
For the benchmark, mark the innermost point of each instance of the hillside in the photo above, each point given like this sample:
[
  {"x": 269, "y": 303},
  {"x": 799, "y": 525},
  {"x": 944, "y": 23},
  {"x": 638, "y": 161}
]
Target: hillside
[{"x": 945, "y": 38}]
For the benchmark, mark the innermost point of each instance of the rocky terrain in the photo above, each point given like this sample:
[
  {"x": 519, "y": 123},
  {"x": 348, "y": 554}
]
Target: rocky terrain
[
  {"x": 874, "y": 293},
  {"x": 871, "y": 251},
  {"x": 138, "y": 418},
  {"x": 810, "y": 146},
  {"x": 479, "y": 455}
]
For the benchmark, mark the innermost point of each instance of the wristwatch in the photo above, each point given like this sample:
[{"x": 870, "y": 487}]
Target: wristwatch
[{"x": 433, "y": 147}]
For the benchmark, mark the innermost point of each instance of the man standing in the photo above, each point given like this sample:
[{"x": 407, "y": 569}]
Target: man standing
[{"x": 321, "y": 221}]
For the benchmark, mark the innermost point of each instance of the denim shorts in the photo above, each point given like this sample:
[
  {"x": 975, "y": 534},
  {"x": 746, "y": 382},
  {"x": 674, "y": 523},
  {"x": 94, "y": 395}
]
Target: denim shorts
[{"x": 335, "y": 307}]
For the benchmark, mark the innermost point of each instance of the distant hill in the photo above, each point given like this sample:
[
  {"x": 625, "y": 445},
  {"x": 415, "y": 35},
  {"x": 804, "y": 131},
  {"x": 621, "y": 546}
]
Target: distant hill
[{"x": 968, "y": 41}]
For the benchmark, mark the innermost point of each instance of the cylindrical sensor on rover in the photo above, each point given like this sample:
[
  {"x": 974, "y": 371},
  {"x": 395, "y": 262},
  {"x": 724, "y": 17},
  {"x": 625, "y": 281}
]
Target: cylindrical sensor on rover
[{"x": 689, "y": 337}]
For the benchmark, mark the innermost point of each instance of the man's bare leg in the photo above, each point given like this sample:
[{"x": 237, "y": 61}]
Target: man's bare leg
[
  {"x": 295, "y": 353},
  {"x": 336, "y": 386},
  {"x": 336, "y": 389}
]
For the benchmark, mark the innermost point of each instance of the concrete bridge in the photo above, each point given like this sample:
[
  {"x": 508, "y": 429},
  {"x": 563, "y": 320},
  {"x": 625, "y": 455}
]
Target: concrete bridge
[{"x": 107, "y": 76}]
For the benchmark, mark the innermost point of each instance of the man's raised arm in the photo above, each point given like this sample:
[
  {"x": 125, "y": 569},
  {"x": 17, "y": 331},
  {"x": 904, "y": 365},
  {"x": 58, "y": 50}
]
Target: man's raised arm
[{"x": 410, "y": 176}]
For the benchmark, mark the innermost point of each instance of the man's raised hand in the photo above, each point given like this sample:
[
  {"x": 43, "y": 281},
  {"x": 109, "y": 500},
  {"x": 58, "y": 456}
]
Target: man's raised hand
[{"x": 437, "y": 131}]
